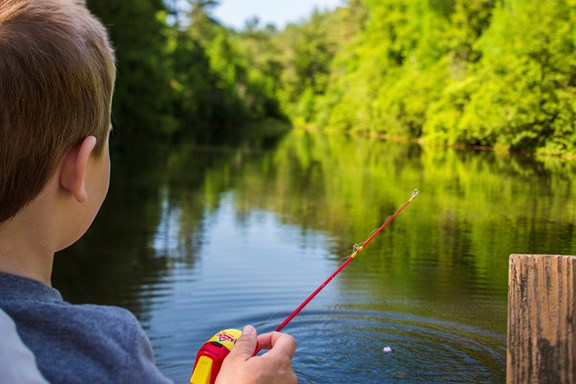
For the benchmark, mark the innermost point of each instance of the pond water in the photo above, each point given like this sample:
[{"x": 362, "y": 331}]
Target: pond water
[{"x": 194, "y": 240}]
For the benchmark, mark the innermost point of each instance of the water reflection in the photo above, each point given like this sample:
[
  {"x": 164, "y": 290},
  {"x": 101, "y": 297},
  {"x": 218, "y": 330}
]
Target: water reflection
[{"x": 194, "y": 240}]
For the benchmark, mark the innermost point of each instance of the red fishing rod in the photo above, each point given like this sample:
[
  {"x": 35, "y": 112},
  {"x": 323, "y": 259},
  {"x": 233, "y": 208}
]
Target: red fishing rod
[
  {"x": 212, "y": 354},
  {"x": 357, "y": 250}
]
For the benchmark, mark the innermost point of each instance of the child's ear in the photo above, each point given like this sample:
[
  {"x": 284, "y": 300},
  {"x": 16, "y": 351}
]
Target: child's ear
[{"x": 73, "y": 168}]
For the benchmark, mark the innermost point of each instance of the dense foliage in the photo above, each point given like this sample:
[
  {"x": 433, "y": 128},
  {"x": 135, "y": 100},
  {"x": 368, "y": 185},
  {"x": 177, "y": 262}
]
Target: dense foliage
[
  {"x": 497, "y": 73},
  {"x": 482, "y": 72}
]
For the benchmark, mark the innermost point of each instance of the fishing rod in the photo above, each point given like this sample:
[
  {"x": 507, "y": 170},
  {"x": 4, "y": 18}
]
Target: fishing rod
[
  {"x": 357, "y": 250},
  {"x": 212, "y": 354}
]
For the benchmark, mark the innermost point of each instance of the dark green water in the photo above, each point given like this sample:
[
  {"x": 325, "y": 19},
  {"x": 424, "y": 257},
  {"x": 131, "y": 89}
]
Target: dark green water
[{"x": 195, "y": 240}]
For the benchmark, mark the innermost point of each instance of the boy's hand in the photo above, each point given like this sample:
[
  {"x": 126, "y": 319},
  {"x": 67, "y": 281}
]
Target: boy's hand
[{"x": 241, "y": 367}]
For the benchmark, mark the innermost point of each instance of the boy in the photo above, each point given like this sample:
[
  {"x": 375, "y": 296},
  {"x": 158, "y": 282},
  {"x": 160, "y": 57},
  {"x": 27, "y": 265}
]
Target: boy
[{"x": 57, "y": 76}]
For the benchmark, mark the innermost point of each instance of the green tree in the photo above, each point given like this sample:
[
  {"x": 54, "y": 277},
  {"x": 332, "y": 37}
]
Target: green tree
[
  {"x": 263, "y": 67},
  {"x": 308, "y": 49},
  {"x": 518, "y": 90},
  {"x": 527, "y": 82},
  {"x": 142, "y": 100}
]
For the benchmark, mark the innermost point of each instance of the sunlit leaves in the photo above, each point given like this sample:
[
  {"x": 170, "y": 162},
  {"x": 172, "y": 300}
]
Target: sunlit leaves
[{"x": 489, "y": 73}]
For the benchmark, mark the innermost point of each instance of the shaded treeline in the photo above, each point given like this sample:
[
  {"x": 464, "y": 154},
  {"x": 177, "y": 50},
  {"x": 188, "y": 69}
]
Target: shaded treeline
[
  {"x": 180, "y": 80},
  {"x": 498, "y": 73}
]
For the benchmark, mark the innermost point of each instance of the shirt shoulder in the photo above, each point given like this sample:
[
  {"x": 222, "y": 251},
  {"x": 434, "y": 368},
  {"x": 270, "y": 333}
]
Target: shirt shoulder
[{"x": 86, "y": 342}]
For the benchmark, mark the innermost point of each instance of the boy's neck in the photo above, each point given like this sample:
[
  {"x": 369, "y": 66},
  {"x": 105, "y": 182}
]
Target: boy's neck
[
  {"x": 21, "y": 268},
  {"x": 26, "y": 248},
  {"x": 25, "y": 258}
]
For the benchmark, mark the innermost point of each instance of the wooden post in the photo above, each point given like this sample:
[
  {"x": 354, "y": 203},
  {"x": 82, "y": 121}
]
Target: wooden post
[{"x": 541, "y": 319}]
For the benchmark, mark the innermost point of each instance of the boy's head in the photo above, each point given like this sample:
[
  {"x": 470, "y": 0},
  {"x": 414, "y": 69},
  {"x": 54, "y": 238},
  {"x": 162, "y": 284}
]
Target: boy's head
[{"x": 56, "y": 82}]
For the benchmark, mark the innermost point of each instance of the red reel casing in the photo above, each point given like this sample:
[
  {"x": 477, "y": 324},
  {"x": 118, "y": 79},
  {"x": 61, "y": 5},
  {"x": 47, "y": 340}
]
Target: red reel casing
[{"x": 210, "y": 357}]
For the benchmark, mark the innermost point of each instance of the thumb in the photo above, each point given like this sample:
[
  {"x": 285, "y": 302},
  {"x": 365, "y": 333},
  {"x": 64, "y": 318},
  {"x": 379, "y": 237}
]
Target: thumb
[{"x": 246, "y": 343}]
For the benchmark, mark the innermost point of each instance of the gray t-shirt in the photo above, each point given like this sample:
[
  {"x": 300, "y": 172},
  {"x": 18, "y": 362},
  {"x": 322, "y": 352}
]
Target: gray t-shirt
[
  {"x": 17, "y": 363},
  {"x": 78, "y": 343}
]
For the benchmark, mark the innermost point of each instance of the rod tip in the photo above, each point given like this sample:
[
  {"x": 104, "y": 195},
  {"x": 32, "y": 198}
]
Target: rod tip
[{"x": 415, "y": 193}]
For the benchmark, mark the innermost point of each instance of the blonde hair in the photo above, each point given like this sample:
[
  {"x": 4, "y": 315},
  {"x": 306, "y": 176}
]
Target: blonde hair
[{"x": 57, "y": 71}]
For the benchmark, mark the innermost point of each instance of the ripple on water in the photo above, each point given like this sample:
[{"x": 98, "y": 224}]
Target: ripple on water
[{"x": 347, "y": 347}]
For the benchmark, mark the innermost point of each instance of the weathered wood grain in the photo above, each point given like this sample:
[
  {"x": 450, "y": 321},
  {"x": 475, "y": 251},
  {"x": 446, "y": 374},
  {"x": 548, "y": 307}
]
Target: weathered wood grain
[{"x": 541, "y": 319}]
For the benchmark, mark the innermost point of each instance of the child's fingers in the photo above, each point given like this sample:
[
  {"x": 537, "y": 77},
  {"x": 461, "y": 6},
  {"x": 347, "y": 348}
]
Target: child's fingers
[
  {"x": 246, "y": 344},
  {"x": 278, "y": 343}
]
